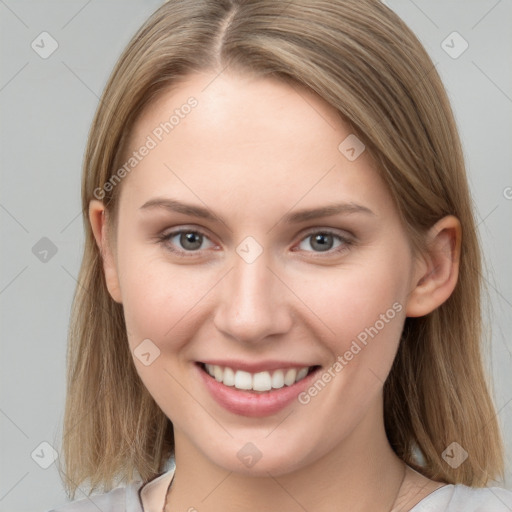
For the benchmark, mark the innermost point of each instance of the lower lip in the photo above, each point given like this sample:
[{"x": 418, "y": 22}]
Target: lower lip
[{"x": 247, "y": 403}]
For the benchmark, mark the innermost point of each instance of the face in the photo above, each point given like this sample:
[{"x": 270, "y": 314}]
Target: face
[{"x": 221, "y": 269}]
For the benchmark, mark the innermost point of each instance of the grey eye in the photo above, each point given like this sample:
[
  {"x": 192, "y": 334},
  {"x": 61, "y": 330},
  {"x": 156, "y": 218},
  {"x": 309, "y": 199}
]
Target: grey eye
[
  {"x": 186, "y": 240},
  {"x": 321, "y": 241},
  {"x": 190, "y": 240}
]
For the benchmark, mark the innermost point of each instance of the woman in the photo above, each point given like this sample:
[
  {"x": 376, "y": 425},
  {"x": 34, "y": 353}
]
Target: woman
[{"x": 279, "y": 301}]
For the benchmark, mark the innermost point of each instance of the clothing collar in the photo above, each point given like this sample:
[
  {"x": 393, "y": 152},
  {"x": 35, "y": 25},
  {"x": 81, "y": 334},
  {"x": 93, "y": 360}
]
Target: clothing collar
[{"x": 152, "y": 495}]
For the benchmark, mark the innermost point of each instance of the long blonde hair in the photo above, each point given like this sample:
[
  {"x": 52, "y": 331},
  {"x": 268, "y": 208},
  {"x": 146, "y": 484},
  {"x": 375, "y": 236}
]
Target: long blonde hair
[{"x": 363, "y": 60}]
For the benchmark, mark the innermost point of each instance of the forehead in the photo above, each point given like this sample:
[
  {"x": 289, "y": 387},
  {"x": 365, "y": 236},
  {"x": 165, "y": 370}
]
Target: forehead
[
  {"x": 245, "y": 108},
  {"x": 253, "y": 137}
]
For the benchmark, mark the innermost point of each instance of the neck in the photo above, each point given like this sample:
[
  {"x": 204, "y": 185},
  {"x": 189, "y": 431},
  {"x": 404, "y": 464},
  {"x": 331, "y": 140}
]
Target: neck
[{"x": 360, "y": 474}]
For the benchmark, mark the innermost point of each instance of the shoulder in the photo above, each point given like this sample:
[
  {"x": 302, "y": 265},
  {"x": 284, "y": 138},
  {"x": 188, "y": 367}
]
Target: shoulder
[
  {"x": 120, "y": 499},
  {"x": 461, "y": 498}
]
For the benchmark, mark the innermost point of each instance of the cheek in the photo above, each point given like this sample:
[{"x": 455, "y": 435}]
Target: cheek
[
  {"x": 350, "y": 300},
  {"x": 160, "y": 299},
  {"x": 363, "y": 306},
  {"x": 161, "y": 302}
]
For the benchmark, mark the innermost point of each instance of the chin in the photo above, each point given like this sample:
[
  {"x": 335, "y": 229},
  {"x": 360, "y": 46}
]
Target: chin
[{"x": 250, "y": 460}]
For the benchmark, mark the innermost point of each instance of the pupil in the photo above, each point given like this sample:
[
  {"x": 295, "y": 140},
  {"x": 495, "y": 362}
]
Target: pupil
[
  {"x": 324, "y": 242},
  {"x": 190, "y": 240}
]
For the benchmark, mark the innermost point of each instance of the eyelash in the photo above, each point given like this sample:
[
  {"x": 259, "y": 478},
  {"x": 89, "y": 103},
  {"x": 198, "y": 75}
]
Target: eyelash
[{"x": 346, "y": 243}]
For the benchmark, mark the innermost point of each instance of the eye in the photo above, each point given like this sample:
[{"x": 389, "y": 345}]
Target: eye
[
  {"x": 185, "y": 241},
  {"x": 325, "y": 241},
  {"x": 190, "y": 242}
]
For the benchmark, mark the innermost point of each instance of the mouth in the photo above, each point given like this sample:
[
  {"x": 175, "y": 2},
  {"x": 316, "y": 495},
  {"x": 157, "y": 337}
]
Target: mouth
[{"x": 257, "y": 382}]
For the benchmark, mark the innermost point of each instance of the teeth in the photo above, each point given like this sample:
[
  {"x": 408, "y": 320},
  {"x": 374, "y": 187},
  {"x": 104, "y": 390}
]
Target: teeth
[
  {"x": 278, "y": 379},
  {"x": 290, "y": 376},
  {"x": 243, "y": 380},
  {"x": 218, "y": 373},
  {"x": 302, "y": 373},
  {"x": 261, "y": 381},
  {"x": 229, "y": 377}
]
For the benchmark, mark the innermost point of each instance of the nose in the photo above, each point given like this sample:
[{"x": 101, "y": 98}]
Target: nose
[{"x": 253, "y": 302}]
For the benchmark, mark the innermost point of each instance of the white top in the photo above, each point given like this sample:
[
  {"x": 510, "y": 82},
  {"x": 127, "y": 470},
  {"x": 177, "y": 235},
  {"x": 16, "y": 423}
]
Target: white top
[{"x": 136, "y": 497}]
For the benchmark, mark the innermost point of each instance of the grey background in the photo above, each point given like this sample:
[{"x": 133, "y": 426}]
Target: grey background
[{"x": 47, "y": 106}]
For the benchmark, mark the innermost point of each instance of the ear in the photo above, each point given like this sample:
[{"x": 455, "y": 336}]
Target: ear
[
  {"x": 98, "y": 219},
  {"x": 437, "y": 271}
]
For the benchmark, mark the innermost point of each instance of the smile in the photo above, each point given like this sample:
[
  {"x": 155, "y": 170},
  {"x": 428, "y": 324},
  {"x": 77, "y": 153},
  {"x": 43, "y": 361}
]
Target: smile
[
  {"x": 260, "y": 381},
  {"x": 269, "y": 388}
]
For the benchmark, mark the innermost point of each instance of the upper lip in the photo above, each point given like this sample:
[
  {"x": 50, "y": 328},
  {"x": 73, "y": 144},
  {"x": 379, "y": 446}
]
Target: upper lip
[{"x": 255, "y": 367}]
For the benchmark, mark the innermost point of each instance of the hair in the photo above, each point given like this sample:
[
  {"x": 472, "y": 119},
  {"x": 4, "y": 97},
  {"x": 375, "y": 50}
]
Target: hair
[{"x": 367, "y": 64}]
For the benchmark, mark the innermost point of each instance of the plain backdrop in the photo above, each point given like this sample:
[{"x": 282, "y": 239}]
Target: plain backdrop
[{"x": 47, "y": 104}]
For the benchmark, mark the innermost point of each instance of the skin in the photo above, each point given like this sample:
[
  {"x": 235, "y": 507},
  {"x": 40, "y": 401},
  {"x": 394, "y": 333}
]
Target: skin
[{"x": 252, "y": 151}]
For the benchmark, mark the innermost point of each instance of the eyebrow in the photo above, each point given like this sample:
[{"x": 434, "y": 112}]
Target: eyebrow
[{"x": 290, "y": 218}]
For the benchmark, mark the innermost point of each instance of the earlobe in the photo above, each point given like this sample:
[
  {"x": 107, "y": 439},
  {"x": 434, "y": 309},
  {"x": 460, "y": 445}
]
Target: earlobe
[
  {"x": 98, "y": 219},
  {"x": 437, "y": 272}
]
